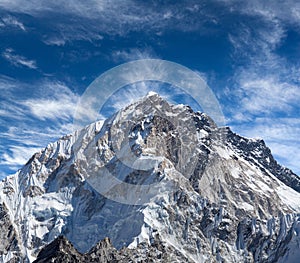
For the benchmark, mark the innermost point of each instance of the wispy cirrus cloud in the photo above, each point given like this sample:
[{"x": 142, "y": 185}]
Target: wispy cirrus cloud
[
  {"x": 59, "y": 105},
  {"x": 11, "y": 21},
  {"x": 288, "y": 11},
  {"x": 266, "y": 86},
  {"x": 93, "y": 20},
  {"x": 18, "y": 60},
  {"x": 80, "y": 20},
  {"x": 29, "y": 123},
  {"x": 22, "y": 141},
  {"x": 130, "y": 54},
  {"x": 52, "y": 101},
  {"x": 267, "y": 95},
  {"x": 17, "y": 155}
]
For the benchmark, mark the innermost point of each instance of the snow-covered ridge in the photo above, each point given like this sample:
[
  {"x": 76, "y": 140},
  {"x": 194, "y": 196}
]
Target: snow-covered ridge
[{"x": 217, "y": 196}]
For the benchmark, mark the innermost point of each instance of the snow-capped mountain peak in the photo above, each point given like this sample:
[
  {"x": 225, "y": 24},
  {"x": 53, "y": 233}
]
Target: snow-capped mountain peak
[{"x": 154, "y": 177}]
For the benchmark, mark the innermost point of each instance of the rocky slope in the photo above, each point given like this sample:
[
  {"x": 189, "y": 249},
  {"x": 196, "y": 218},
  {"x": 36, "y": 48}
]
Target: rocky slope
[
  {"x": 163, "y": 183},
  {"x": 62, "y": 251}
]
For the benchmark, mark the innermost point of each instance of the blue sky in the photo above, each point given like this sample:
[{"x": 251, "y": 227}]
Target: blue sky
[{"x": 50, "y": 51}]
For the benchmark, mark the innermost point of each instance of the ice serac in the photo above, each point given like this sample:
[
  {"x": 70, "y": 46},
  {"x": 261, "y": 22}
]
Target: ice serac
[{"x": 207, "y": 194}]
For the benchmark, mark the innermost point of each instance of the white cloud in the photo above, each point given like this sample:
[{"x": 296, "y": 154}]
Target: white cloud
[
  {"x": 273, "y": 129},
  {"x": 133, "y": 54},
  {"x": 268, "y": 107},
  {"x": 12, "y": 110},
  {"x": 18, "y": 60},
  {"x": 135, "y": 91},
  {"x": 36, "y": 136},
  {"x": 50, "y": 109},
  {"x": 12, "y": 21},
  {"x": 59, "y": 103},
  {"x": 6, "y": 83},
  {"x": 266, "y": 87},
  {"x": 256, "y": 42},
  {"x": 17, "y": 155},
  {"x": 92, "y": 19},
  {"x": 125, "y": 96},
  {"x": 28, "y": 124},
  {"x": 75, "y": 19},
  {"x": 54, "y": 41},
  {"x": 53, "y": 101},
  {"x": 259, "y": 94},
  {"x": 21, "y": 141},
  {"x": 288, "y": 10}
]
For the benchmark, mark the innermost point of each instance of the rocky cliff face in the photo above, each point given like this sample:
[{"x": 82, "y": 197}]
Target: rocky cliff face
[
  {"x": 163, "y": 183},
  {"x": 62, "y": 251}
]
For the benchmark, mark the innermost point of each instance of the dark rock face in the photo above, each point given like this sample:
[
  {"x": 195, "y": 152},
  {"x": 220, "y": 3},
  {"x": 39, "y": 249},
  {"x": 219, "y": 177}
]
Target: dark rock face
[
  {"x": 9, "y": 239},
  {"x": 59, "y": 250},
  {"x": 62, "y": 251}
]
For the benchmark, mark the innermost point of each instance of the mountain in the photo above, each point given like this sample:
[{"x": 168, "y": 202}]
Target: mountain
[{"x": 153, "y": 183}]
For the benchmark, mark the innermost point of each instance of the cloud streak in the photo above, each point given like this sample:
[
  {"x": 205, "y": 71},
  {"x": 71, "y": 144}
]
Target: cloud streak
[
  {"x": 130, "y": 54},
  {"x": 17, "y": 156},
  {"x": 18, "y": 60},
  {"x": 267, "y": 95},
  {"x": 265, "y": 87},
  {"x": 10, "y": 21},
  {"x": 93, "y": 20},
  {"x": 29, "y": 124},
  {"x": 60, "y": 105}
]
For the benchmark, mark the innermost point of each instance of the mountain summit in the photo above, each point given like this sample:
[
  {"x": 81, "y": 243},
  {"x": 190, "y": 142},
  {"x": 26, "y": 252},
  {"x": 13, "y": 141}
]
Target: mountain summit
[{"x": 155, "y": 182}]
